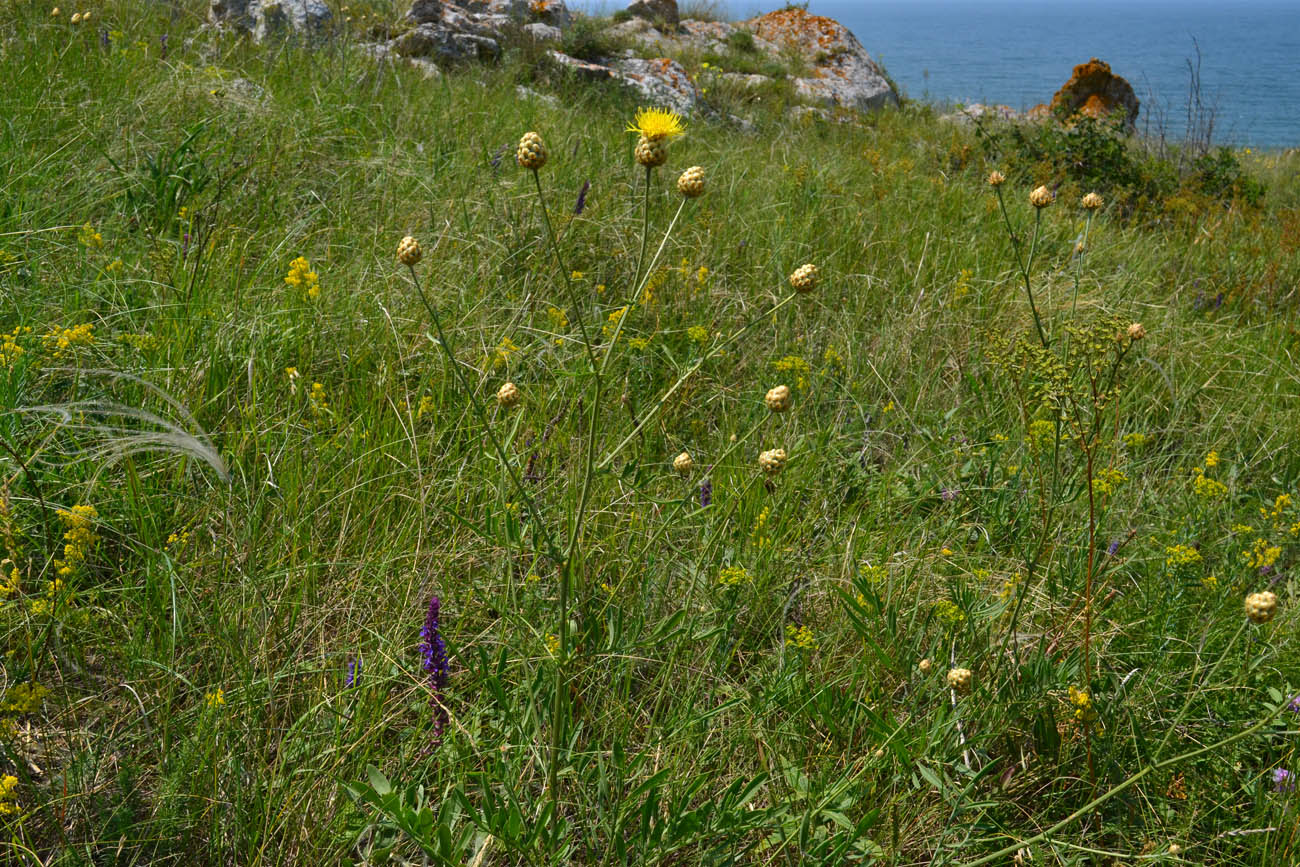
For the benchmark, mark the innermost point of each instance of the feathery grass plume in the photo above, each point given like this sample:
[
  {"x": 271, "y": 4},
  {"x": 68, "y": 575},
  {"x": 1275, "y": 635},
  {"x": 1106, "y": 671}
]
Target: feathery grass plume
[
  {"x": 434, "y": 651},
  {"x": 778, "y": 398},
  {"x": 531, "y": 153},
  {"x": 113, "y": 422},
  {"x": 1260, "y": 607},
  {"x": 409, "y": 252},
  {"x": 691, "y": 182},
  {"x": 508, "y": 395},
  {"x": 772, "y": 461},
  {"x": 683, "y": 464},
  {"x": 804, "y": 278}
]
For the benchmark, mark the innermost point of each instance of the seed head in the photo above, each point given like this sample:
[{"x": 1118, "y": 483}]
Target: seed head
[
  {"x": 996, "y": 178},
  {"x": 1136, "y": 331},
  {"x": 804, "y": 279},
  {"x": 1092, "y": 202},
  {"x": 683, "y": 464},
  {"x": 959, "y": 679},
  {"x": 924, "y": 666},
  {"x": 691, "y": 182},
  {"x": 409, "y": 252},
  {"x": 650, "y": 152},
  {"x": 1260, "y": 607},
  {"x": 508, "y": 395},
  {"x": 1041, "y": 197},
  {"x": 531, "y": 153},
  {"x": 778, "y": 398},
  {"x": 76, "y": 18},
  {"x": 772, "y": 461}
]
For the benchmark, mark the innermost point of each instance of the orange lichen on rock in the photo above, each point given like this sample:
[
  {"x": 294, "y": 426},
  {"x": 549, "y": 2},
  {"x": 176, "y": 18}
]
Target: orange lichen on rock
[
  {"x": 799, "y": 28},
  {"x": 1095, "y": 91}
]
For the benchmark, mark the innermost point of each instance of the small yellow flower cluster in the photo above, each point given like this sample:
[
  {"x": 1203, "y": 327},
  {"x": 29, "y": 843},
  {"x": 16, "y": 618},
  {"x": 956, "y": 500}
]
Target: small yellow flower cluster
[
  {"x": 698, "y": 333},
  {"x": 57, "y": 341},
  {"x": 875, "y": 576},
  {"x": 800, "y": 637},
  {"x": 1281, "y": 504},
  {"x": 504, "y": 351},
  {"x": 10, "y": 349},
  {"x": 730, "y": 576},
  {"x": 759, "y": 533},
  {"x": 139, "y": 342},
  {"x": 318, "y": 400},
  {"x": 949, "y": 613},
  {"x": 1107, "y": 481},
  {"x": 78, "y": 538},
  {"x": 1041, "y": 435},
  {"x": 559, "y": 319},
  {"x": 1081, "y": 701},
  {"x": 178, "y": 540},
  {"x": 426, "y": 406},
  {"x": 552, "y": 643},
  {"x": 797, "y": 365},
  {"x": 294, "y": 376},
  {"x": 1208, "y": 489},
  {"x": 962, "y": 289},
  {"x": 832, "y": 358},
  {"x": 22, "y": 698},
  {"x": 89, "y": 237},
  {"x": 1210, "y": 582},
  {"x": 1135, "y": 441},
  {"x": 611, "y": 322},
  {"x": 1180, "y": 558},
  {"x": 8, "y": 795},
  {"x": 10, "y": 584},
  {"x": 1261, "y": 554},
  {"x": 216, "y": 699},
  {"x": 303, "y": 278}
]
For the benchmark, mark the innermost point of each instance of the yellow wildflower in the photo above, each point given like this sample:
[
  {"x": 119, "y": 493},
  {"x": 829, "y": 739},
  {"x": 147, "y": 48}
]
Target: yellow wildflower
[
  {"x": 216, "y": 699},
  {"x": 302, "y": 277},
  {"x": 57, "y": 341},
  {"x": 8, "y": 794},
  {"x": 1261, "y": 554},
  {"x": 657, "y": 123},
  {"x": 89, "y": 237},
  {"x": 800, "y": 637},
  {"x": 730, "y": 576},
  {"x": 22, "y": 698}
]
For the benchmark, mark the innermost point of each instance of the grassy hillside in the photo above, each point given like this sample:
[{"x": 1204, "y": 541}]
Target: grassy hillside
[{"x": 232, "y": 483}]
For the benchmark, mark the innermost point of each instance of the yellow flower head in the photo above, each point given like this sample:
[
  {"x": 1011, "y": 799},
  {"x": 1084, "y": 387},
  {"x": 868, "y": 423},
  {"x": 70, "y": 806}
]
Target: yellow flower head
[{"x": 657, "y": 123}]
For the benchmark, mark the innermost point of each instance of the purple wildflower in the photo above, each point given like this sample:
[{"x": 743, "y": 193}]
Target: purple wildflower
[
  {"x": 706, "y": 497},
  {"x": 1294, "y": 706},
  {"x": 948, "y": 494},
  {"x": 354, "y": 667},
  {"x": 1283, "y": 780},
  {"x": 434, "y": 650},
  {"x": 582, "y": 198},
  {"x": 1113, "y": 547},
  {"x": 163, "y": 41},
  {"x": 103, "y": 38}
]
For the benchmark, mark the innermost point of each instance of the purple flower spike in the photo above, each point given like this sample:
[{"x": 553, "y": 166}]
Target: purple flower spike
[
  {"x": 354, "y": 668},
  {"x": 948, "y": 494},
  {"x": 1113, "y": 547},
  {"x": 1295, "y": 705},
  {"x": 434, "y": 650},
  {"x": 582, "y": 198},
  {"x": 706, "y": 493},
  {"x": 1283, "y": 780}
]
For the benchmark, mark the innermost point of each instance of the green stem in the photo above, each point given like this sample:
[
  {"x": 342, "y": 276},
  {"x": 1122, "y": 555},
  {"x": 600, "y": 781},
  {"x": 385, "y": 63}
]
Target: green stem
[
  {"x": 574, "y": 300},
  {"x": 552, "y": 550}
]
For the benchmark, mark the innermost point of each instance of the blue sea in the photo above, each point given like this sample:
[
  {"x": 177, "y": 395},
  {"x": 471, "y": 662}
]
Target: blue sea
[{"x": 1018, "y": 52}]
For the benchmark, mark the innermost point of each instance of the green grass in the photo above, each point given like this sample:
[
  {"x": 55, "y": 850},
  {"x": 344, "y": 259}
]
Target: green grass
[{"x": 694, "y": 732}]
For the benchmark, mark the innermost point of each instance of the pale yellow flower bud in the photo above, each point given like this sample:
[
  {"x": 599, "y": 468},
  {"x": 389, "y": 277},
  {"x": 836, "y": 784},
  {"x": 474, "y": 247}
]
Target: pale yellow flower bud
[
  {"x": 1041, "y": 197},
  {"x": 997, "y": 179},
  {"x": 778, "y": 398},
  {"x": 691, "y": 182},
  {"x": 531, "y": 153},
  {"x": 1260, "y": 607},
  {"x": 76, "y": 18},
  {"x": 804, "y": 279},
  {"x": 1092, "y": 202},
  {"x": 924, "y": 666},
  {"x": 508, "y": 395},
  {"x": 1136, "y": 331},
  {"x": 959, "y": 679},
  {"x": 772, "y": 461},
  {"x": 651, "y": 152},
  {"x": 683, "y": 464},
  {"x": 409, "y": 252}
]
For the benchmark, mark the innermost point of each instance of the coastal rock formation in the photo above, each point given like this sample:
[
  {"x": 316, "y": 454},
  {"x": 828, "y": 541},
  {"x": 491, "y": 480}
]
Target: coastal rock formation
[
  {"x": 1095, "y": 91},
  {"x": 661, "y": 81},
  {"x": 843, "y": 74},
  {"x": 266, "y": 18},
  {"x": 658, "y": 11}
]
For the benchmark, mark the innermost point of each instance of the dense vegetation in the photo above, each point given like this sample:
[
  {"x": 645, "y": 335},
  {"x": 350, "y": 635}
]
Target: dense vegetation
[{"x": 243, "y": 447}]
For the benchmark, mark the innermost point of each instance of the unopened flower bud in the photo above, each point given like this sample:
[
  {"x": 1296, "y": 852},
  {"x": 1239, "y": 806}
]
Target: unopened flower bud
[{"x": 778, "y": 398}]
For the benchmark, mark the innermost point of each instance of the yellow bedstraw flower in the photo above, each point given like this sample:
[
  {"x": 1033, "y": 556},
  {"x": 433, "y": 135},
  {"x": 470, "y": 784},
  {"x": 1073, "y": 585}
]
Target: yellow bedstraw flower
[
  {"x": 730, "y": 576},
  {"x": 800, "y": 637},
  {"x": 9, "y": 786},
  {"x": 216, "y": 699}
]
